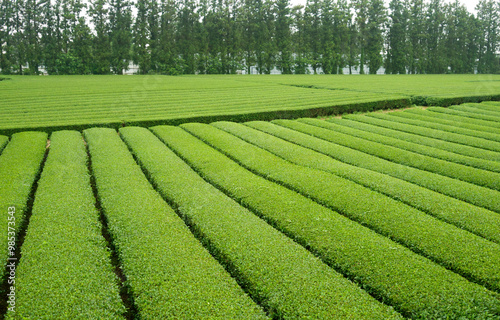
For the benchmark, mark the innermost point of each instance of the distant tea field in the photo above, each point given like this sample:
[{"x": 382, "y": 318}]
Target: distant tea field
[
  {"x": 172, "y": 198},
  {"x": 78, "y": 102}
]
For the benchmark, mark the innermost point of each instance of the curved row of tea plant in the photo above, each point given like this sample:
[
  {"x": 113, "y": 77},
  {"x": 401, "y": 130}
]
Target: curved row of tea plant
[
  {"x": 20, "y": 165},
  {"x": 412, "y": 284},
  {"x": 65, "y": 271},
  {"x": 286, "y": 279},
  {"x": 425, "y": 129},
  {"x": 429, "y": 146},
  {"x": 169, "y": 273},
  {"x": 472, "y": 108},
  {"x": 477, "y": 220},
  {"x": 473, "y": 194},
  {"x": 387, "y": 148},
  {"x": 465, "y": 253},
  {"x": 462, "y": 130},
  {"x": 444, "y": 119},
  {"x": 492, "y": 121}
]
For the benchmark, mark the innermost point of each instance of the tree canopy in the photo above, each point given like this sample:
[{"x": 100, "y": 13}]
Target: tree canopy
[{"x": 226, "y": 36}]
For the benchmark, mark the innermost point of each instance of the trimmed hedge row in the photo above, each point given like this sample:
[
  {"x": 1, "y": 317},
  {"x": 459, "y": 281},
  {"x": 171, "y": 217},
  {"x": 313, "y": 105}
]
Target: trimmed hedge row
[
  {"x": 489, "y": 105},
  {"x": 492, "y": 121},
  {"x": 484, "y": 124},
  {"x": 474, "y": 109},
  {"x": 414, "y": 285},
  {"x": 3, "y": 142},
  {"x": 413, "y": 134},
  {"x": 20, "y": 164},
  {"x": 65, "y": 271},
  {"x": 440, "y": 134},
  {"x": 169, "y": 273},
  {"x": 464, "y": 252},
  {"x": 465, "y": 191},
  {"x": 445, "y": 119},
  {"x": 413, "y": 120},
  {"x": 464, "y": 215},
  {"x": 280, "y": 274},
  {"x": 403, "y": 141},
  {"x": 237, "y": 117},
  {"x": 388, "y": 148}
]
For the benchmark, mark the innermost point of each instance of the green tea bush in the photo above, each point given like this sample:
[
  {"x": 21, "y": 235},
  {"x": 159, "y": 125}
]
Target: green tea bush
[
  {"x": 414, "y": 285},
  {"x": 282, "y": 276},
  {"x": 169, "y": 273},
  {"x": 65, "y": 271}
]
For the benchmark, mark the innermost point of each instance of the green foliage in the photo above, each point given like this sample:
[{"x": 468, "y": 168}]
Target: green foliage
[
  {"x": 413, "y": 134},
  {"x": 488, "y": 120},
  {"x": 464, "y": 252},
  {"x": 492, "y": 115},
  {"x": 465, "y": 191},
  {"x": 65, "y": 271},
  {"x": 169, "y": 273},
  {"x": 463, "y": 130},
  {"x": 425, "y": 115},
  {"x": 389, "y": 271},
  {"x": 20, "y": 165},
  {"x": 3, "y": 142},
  {"x": 427, "y": 129},
  {"x": 390, "y": 149},
  {"x": 286, "y": 279},
  {"x": 466, "y": 216}
]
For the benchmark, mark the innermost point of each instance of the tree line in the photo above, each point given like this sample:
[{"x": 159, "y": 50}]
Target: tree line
[{"x": 224, "y": 36}]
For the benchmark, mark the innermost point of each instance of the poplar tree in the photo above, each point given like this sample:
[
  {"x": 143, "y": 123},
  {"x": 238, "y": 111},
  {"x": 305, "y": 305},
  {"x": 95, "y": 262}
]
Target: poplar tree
[{"x": 120, "y": 20}]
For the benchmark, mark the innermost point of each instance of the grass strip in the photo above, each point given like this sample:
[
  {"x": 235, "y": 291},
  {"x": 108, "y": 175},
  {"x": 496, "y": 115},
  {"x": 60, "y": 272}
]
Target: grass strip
[
  {"x": 404, "y": 141},
  {"x": 415, "y": 286},
  {"x": 19, "y": 169},
  {"x": 492, "y": 121},
  {"x": 465, "y": 191},
  {"x": 414, "y": 134},
  {"x": 169, "y": 273},
  {"x": 444, "y": 119},
  {"x": 426, "y": 123},
  {"x": 477, "y": 220},
  {"x": 464, "y": 252},
  {"x": 65, "y": 271},
  {"x": 289, "y": 281},
  {"x": 440, "y": 134},
  {"x": 389, "y": 149}
]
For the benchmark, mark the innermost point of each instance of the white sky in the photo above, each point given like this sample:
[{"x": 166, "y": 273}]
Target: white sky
[{"x": 469, "y": 4}]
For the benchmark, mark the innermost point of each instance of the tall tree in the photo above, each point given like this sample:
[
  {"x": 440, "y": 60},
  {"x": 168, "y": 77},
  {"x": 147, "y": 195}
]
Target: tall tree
[
  {"x": 435, "y": 56},
  {"x": 120, "y": 19},
  {"x": 299, "y": 40},
  {"x": 186, "y": 35},
  {"x": 377, "y": 16},
  {"x": 168, "y": 61},
  {"x": 101, "y": 46},
  {"x": 328, "y": 40},
  {"x": 283, "y": 36},
  {"x": 312, "y": 19},
  {"x": 488, "y": 13},
  {"x": 416, "y": 36},
  {"x": 397, "y": 46},
  {"x": 361, "y": 9},
  {"x": 7, "y": 31},
  {"x": 461, "y": 33},
  {"x": 141, "y": 33}
]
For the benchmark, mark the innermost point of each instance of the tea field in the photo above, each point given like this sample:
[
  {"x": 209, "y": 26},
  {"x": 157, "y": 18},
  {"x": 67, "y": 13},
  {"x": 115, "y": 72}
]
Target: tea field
[
  {"x": 381, "y": 215},
  {"x": 80, "y": 102}
]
